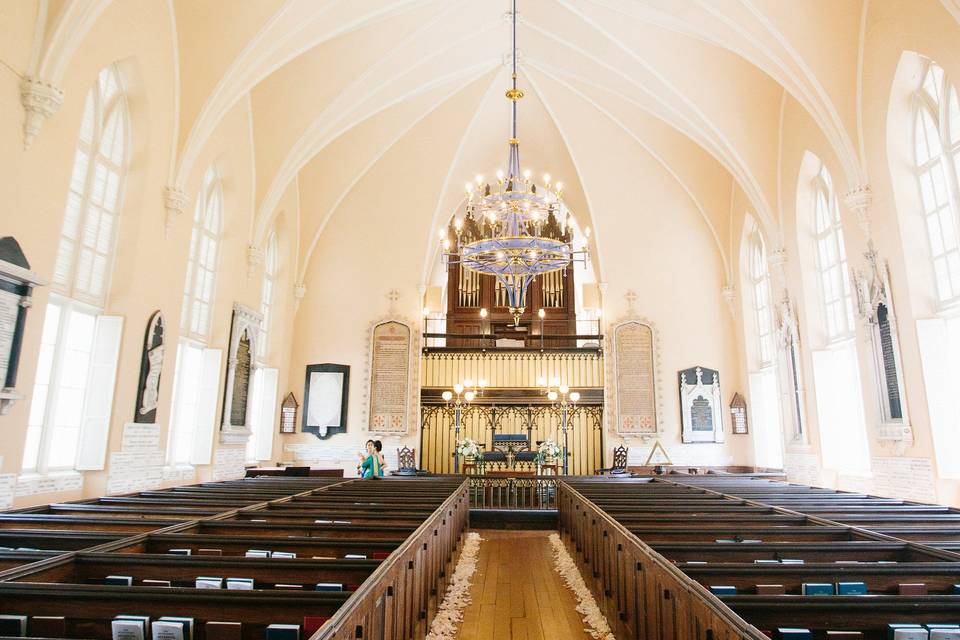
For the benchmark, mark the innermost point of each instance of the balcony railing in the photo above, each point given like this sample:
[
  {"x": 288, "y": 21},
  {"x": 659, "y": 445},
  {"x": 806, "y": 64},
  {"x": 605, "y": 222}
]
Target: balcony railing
[{"x": 511, "y": 341}]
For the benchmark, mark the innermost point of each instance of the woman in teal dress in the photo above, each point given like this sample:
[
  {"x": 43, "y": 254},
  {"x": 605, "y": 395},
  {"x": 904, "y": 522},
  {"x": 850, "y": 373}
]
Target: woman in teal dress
[{"x": 371, "y": 465}]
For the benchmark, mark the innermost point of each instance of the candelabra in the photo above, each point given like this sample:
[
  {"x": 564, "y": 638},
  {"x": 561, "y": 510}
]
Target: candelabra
[
  {"x": 565, "y": 401},
  {"x": 458, "y": 400}
]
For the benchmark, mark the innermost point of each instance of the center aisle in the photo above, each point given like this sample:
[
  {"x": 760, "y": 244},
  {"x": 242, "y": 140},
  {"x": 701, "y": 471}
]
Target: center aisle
[{"x": 516, "y": 592}]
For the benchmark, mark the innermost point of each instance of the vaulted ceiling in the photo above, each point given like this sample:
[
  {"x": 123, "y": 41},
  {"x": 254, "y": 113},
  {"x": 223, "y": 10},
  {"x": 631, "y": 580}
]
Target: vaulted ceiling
[{"x": 333, "y": 85}]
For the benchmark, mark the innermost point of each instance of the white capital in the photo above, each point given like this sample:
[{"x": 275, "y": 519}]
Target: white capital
[{"x": 40, "y": 101}]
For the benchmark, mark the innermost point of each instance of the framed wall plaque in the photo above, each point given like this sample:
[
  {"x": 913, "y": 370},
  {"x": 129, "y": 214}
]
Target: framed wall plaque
[
  {"x": 288, "y": 414},
  {"x": 325, "y": 395},
  {"x": 235, "y": 426},
  {"x": 151, "y": 364},
  {"x": 700, "y": 407},
  {"x": 738, "y": 415},
  {"x": 16, "y": 291},
  {"x": 634, "y": 367}
]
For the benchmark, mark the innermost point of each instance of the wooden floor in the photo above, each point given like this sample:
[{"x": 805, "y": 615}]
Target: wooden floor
[{"x": 516, "y": 592}]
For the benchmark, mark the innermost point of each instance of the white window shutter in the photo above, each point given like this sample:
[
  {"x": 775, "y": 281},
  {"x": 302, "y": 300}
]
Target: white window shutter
[
  {"x": 98, "y": 401},
  {"x": 207, "y": 407},
  {"x": 265, "y": 420}
]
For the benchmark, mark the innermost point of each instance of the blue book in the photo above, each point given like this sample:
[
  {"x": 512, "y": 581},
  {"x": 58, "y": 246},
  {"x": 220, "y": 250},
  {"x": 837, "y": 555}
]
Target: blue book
[
  {"x": 329, "y": 586},
  {"x": 817, "y": 589},
  {"x": 851, "y": 588},
  {"x": 123, "y": 581},
  {"x": 794, "y": 634},
  {"x": 282, "y": 632},
  {"x": 723, "y": 590},
  {"x": 956, "y": 589},
  {"x": 179, "y": 552}
]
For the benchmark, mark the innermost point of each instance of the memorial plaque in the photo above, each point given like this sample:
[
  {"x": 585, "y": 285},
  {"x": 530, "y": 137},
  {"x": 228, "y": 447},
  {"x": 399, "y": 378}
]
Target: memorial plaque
[
  {"x": 636, "y": 384},
  {"x": 16, "y": 288},
  {"x": 389, "y": 377},
  {"x": 325, "y": 395},
  {"x": 237, "y": 400},
  {"x": 9, "y": 312},
  {"x": 151, "y": 364},
  {"x": 738, "y": 414},
  {"x": 700, "y": 408},
  {"x": 701, "y": 415},
  {"x": 241, "y": 383}
]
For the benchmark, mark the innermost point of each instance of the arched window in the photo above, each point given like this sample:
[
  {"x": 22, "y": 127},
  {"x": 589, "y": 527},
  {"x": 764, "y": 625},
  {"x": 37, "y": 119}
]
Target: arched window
[
  {"x": 266, "y": 293},
  {"x": 830, "y": 257},
  {"x": 75, "y": 373},
  {"x": 936, "y": 147},
  {"x": 760, "y": 287},
  {"x": 264, "y": 386},
  {"x": 202, "y": 265},
  {"x": 196, "y": 377}
]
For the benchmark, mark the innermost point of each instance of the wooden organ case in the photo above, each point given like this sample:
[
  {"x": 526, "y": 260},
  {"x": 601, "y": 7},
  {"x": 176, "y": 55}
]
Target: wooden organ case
[{"x": 468, "y": 292}]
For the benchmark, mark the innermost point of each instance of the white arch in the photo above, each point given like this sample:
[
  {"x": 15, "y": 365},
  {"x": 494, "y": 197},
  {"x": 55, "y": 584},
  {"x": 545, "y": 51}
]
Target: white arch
[
  {"x": 275, "y": 45},
  {"x": 366, "y": 169},
  {"x": 666, "y": 166}
]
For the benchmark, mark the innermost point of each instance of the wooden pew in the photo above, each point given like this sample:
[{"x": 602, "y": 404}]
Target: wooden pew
[
  {"x": 409, "y": 531},
  {"x": 858, "y": 527}
]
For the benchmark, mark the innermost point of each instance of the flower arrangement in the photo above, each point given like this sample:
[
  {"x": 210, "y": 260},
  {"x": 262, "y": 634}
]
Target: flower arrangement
[
  {"x": 548, "y": 450},
  {"x": 469, "y": 448}
]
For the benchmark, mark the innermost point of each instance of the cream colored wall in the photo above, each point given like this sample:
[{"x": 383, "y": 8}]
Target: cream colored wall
[{"x": 149, "y": 269}]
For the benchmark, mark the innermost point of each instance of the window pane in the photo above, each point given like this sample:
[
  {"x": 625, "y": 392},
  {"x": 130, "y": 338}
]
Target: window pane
[
  {"x": 31, "y": 449},
  {"x": 63, "y": 448}
]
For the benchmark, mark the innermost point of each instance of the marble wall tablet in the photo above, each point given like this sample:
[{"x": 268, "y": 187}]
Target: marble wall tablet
[
  {"x": 635, "y": 380},
  {"x": 389, "y": 377},
  {"x": 700, "y": 408}
]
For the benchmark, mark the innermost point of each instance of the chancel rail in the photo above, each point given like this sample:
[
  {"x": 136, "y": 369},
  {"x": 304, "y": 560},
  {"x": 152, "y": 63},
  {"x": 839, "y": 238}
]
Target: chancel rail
[{"x": 536, "y": 422}]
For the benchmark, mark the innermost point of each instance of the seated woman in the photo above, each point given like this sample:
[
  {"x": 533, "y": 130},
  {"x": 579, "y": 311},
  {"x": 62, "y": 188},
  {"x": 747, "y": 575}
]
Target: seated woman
[{"x": 371, "y": 465}]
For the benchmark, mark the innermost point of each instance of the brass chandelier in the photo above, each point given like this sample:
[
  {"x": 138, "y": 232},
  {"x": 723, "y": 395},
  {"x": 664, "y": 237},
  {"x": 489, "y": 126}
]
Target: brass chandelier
[{"x": 513, "y": 229}]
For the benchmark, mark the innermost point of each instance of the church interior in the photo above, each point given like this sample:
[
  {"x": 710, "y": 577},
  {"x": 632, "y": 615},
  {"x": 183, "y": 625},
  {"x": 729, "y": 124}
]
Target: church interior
[{"x": 437, "y": 319}]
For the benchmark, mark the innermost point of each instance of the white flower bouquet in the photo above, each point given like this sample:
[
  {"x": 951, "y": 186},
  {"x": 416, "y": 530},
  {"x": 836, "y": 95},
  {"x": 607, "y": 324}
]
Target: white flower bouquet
[
  {"x": 548, "y": 450},
  {"x": 469, "y": 448}
]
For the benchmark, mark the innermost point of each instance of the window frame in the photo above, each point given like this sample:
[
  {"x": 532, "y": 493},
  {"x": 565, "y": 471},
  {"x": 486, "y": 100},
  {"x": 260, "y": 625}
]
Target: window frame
[
  {"x": 759, "y": 279},
  {"x": 938, "y": 109},
  {"x": 67, "y": 308},
  {"x": 823, "y": 194},
  {"x": 102, "y": 111},
  {"x": 105, "y": 100},
  {"x": 203, "y": 231},
  {"x": 267, "y": 296}
]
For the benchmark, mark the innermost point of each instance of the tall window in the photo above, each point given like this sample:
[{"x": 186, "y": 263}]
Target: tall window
[
  {"x": 73, "y": 391},
  {"x": 195, "y": 385},
  {"x": 936, "y": 144},
  {"x": 760, "y": 287},
  {"x": 266, "y": 294},
  {"x": 764, "y": 404},
  {"x": 936, "y": 131},
  {"x": 831, "y": 259},
  {"x": 841, "y": 420},
  {"x": 202, "y": 265},
  {"x": 264, "y": 385}
]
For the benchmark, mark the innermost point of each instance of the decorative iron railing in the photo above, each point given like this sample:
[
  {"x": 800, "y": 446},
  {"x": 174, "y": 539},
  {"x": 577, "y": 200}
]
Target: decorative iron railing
[
  {"x": 513, "y": 492},
  {"x": 538, "y": 422}
]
